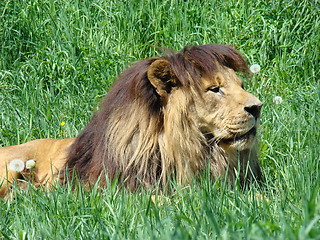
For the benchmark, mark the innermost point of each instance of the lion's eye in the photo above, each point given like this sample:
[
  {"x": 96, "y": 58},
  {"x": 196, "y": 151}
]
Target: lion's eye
[{"x": 216, "y": 90}]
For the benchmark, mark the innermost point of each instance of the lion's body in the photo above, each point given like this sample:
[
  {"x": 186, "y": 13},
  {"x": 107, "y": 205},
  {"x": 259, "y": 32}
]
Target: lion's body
[
  {"x": 172, "y": 117},
  {"x": 49, "y": 154}
]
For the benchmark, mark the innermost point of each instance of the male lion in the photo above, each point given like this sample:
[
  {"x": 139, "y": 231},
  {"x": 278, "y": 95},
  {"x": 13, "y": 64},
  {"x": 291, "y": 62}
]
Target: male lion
[{"x": 165, "y": 117}]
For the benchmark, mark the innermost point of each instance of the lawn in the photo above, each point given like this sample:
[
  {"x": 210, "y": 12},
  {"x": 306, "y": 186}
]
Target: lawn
[{"x": 59, "y": 58}]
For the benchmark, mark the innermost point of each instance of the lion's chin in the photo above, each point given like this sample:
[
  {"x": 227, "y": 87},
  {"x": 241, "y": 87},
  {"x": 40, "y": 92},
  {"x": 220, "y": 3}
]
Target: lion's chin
[{"x": 242, "y": 142}]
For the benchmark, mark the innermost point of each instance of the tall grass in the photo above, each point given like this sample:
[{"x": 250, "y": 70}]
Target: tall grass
[{"x": 57, "y": 60}]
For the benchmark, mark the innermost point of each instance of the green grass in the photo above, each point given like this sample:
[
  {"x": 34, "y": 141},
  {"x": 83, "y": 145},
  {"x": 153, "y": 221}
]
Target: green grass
[{"x": 57, "y": 60}]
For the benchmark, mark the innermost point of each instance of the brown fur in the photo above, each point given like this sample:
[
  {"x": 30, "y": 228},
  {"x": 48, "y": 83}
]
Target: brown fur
[
  {"x": 149, "y": 128},
  {"x": 165, "y": 117}
]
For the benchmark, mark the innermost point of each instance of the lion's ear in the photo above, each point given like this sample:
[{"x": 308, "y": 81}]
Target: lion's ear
[{"x": 161, "y": 76}]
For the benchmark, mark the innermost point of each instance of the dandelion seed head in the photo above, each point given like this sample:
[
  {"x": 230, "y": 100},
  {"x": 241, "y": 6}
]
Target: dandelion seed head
[
  {"x": 277, "y": 100},
  {"x": 16, "y": 165},
  {"x": 30, "y": 164},
  {"x": 255, "y": 68}
]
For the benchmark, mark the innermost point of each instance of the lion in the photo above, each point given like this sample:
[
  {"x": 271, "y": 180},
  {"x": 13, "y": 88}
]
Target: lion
[{"x": 168, "y": 117}]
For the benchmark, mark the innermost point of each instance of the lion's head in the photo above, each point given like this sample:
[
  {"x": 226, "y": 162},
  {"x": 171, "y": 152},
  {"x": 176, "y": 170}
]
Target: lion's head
[{"x": 173, "y": 116}]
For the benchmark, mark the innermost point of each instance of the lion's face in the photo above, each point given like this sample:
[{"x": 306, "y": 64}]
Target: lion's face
[
  {"x": 226, "y": 112},
  {"x": 223, "y": 111}
]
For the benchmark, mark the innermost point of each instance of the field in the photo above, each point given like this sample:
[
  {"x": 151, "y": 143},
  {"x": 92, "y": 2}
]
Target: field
[{"x": 59, "y": 58}]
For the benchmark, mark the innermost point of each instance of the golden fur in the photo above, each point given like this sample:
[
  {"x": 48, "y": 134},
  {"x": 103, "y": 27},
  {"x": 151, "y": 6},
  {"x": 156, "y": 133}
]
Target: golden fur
[
  {"x": 166, "y": 117},
  {"x": 49, "y": 154}
]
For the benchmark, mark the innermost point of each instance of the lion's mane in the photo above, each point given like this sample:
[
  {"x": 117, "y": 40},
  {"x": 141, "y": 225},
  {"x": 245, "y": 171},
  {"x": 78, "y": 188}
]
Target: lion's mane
[{"x": 138, "y": 138}]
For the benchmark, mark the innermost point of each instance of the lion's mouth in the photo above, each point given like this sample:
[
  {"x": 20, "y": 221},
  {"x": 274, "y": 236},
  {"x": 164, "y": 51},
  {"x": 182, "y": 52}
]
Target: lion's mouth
[{"x": 247, "y": 135}]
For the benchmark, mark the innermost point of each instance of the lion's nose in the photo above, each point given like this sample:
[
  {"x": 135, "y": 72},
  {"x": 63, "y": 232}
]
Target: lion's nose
[{"x": 254, "y": 109}]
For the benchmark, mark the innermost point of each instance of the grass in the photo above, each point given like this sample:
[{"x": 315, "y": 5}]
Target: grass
[{"x": 57, "y": 60}]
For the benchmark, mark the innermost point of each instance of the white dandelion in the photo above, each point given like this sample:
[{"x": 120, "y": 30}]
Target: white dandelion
[
  {"x": 255, "y": 68},
  {"x": 16, "y": 165},
  {"x": 30, "y": 164},
  {"x": 277, "y": 100}
]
